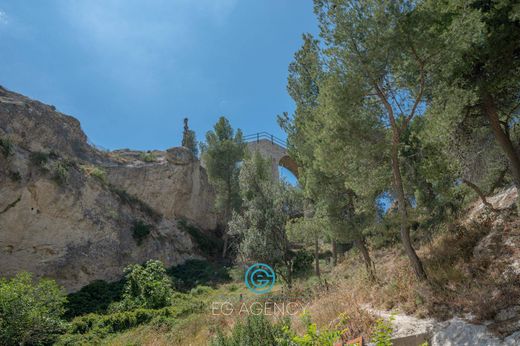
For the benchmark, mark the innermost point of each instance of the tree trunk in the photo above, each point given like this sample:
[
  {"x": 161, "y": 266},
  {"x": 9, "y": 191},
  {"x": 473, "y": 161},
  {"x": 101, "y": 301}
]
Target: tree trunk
[
  {"x": 502, "y": 139},
  {"x": 360, "y": 244},
  {"x": 226, "y": 240},
  {"x": 317, "y": 256},
  {"x": 480, "y": 194},
  {"x": 405, "y": 228},
  {"x": 334, "y": 253}
]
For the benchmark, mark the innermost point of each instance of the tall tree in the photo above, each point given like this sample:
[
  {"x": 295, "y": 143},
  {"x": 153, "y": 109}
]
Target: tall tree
[
  {"x": 221, "y": 154},
  {"x": 386, "y": 56},
  {"x": 479, "y": 70},
  {"x": 319, "y": 149},
  {"x": 260, "y": 225}
]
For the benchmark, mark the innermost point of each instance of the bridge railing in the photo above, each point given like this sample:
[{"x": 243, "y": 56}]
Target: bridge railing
[{"x": 256, "y": 137}]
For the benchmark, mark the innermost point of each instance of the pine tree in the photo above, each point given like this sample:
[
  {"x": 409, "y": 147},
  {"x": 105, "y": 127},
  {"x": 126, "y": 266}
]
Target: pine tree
[
  {"x": 188, "y": 139},
  {"x": 221, "y": 154}
]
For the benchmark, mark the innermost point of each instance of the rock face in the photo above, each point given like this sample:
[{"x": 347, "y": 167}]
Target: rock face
[
  {"x": 71, "y": 212},
  {"x": 174, "y": 184}
]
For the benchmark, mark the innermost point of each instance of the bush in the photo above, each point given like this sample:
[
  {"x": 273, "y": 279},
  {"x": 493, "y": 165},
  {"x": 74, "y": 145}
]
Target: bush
[
  {"x": 15, "y": 176},
  {"x": 96, "y": 172},
  {"x": 198, "y": 272},
  {"x": 383, "y": 332},
  {"x": 39, "y": 158},
  {"x": 148, "y": 157},
  {"x": 256, "y": 330},
  {"x": 30, "y": 312},
  {"x": 146, "y": 286},
  {"x": 90, "y": 329},
  {"x": 95, "y": 297},
  {"x": 140, "y": 231},
  {"x": 303, "y": 260},
  {"x": 61, "y": 173},
  {"x": 6, "y": 147}
]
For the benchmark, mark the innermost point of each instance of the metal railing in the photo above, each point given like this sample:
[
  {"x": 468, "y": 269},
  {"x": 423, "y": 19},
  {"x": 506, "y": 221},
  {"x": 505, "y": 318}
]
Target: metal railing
[{"x": 265, "y": 135}]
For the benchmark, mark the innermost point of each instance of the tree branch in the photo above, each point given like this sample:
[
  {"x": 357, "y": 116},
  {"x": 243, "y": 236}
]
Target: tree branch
[{"x": 421, "y": 89}]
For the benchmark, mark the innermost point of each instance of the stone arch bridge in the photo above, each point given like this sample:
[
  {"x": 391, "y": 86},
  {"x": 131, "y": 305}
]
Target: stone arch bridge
[{"x": 274, "y": 149}]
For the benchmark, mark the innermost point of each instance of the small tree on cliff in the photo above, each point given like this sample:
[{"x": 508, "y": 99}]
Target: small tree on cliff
[
  {"x": 222, "y": 152},
  {"x": 188, "y": 138}
]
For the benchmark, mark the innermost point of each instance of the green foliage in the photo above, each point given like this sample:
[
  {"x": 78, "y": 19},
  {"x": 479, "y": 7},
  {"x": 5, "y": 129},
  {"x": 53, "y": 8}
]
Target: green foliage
[
  {"x": 312, "y": 336},
  {"x": 256, "y": 330},
  {"x": 302, "y": 262},
  {"x": 39, "y": 159},
  {"x": 148, "y": 157},
  {"x": 140, "y": 230},
  {"x": 196, "y": 272},
  {"x": 189, "y": 140},
  {"x": 6, "y": 147},
  {"x": 221, "y": 153},
  {"x": 93, "y": 328},
  {"x": 261, "y": 224},
  {"x": 15, "y": 176},
  {"x": 382, "y": 335},
  {"x": 146, "y": 286},
  {"x": 30, "y": 312},
  {"x": 60, "y": 172},
  {"x": 96, "y": 172},
  {"x": 96, "y": 297},
  {"x": 208, "y": 244}
]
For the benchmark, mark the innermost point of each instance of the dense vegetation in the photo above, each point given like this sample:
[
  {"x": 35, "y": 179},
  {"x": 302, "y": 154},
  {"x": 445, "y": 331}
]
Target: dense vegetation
[{"x": 406, "y": 112}]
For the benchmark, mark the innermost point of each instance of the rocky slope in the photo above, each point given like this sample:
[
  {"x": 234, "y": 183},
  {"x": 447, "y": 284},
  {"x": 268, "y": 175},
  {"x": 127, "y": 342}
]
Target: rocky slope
[{"x": 76, "y": 214}]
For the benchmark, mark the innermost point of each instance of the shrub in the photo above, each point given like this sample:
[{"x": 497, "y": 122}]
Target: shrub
[
  {"x": 140, "y": 231},
  {"x": 39, "y": 158},
  {"x": 6, "y": 147},
  {"x": 302, "y": 262},
  {"x": 89, "y": 329},
  {"x": 148, "y": 157},
  {"x": 30, "y": 312},
  {"x": 146, "y": 286},
  {"x": 198, "y": 272},
  {"x": 256, "y": 330},
  {"x": 201, "y": 290},
  {"x": 61, "y": 172},
  {"x": 15, "y": 176},
  {"x": 383, "y": 332},
  {"x": 96, "y": 172},
  {"x": 313, "y": 336},
  {"x": 95, "y": 297}
]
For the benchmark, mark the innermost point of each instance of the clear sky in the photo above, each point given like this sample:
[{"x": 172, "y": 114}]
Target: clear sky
[{"x": 131, "y": 70}]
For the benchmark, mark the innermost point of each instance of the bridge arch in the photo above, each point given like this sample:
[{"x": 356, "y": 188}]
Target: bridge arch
[{"x": 274, "y": 149}]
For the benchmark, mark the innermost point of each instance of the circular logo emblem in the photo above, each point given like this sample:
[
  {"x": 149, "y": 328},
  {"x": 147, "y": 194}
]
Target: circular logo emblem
[{"x": 260, "y": 278}]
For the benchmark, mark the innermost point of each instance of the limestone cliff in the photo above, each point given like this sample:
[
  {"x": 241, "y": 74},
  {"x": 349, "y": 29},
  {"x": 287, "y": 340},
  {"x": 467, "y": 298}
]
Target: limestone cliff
[{"x": 74, "y": 213}]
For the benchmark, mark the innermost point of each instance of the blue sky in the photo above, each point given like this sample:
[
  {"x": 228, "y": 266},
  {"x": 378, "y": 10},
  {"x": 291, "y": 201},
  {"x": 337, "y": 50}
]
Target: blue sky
[{"x": 130, "y": 70}]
